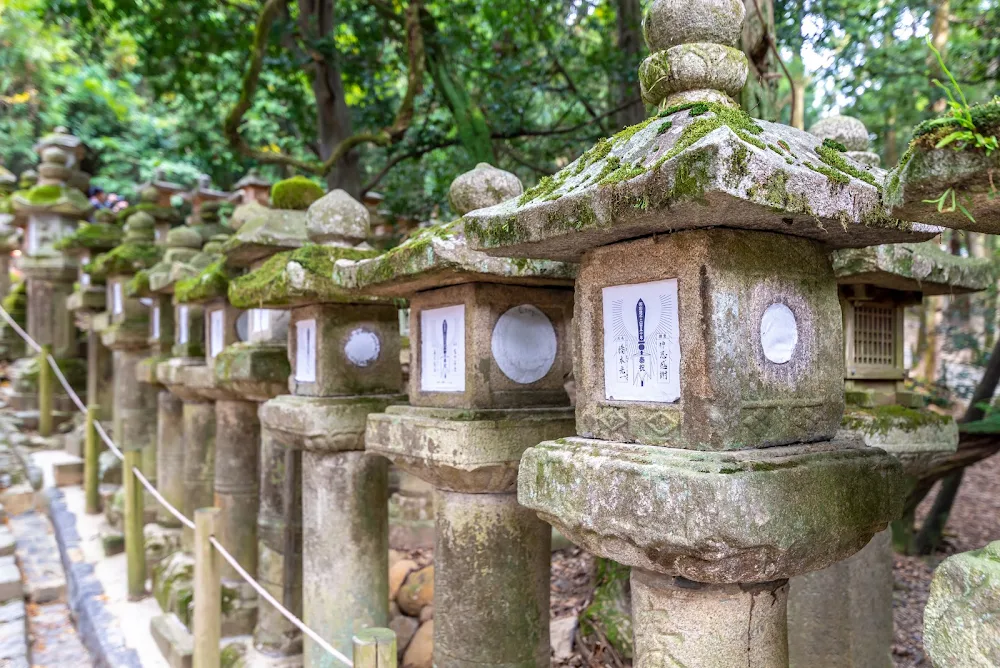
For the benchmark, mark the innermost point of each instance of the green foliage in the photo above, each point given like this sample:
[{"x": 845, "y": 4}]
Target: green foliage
[
  {"x": 966, "y": 132},
  {"x": 295, "y": 193}
]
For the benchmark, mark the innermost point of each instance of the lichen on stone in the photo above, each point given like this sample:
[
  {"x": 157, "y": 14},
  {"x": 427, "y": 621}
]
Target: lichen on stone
[{"x": 880, "y": 420}]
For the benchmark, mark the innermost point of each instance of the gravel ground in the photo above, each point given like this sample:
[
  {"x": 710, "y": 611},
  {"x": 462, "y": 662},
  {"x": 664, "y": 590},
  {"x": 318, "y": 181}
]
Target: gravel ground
[{"x": 974, "y": 522}]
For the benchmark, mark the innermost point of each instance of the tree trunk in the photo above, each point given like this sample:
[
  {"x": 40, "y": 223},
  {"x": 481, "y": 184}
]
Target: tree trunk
[
  {"x": 940, "y": 28},
  {"x": 316, "y": 18},
  {"x": 626, "y": 85},
  {"x": 799, "y": 85}
]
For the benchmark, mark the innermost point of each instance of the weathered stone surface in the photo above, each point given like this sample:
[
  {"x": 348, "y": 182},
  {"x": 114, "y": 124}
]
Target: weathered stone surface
[
  {"x": 680, "y": 172},
  {"x": 169, "y": 454},
  {"x": 961, "y": 627},
  {"x": 440, "y": 255},
  {"x": 668, "y": 76},
  {"x": 337, "y": 218},
  {"x": 253, "y": 371},
  {"x": 923, "y": 268},
  {"x": 561, "y": 634},
  {"x": 270, "y": 231},
  {"x": 68, "y": 473},
  {"x": 746, "y": 516},
  {"x": 463, "y": 451},
  {"x": 846, "y": 130},
  {"x": 668, "y": 23},
  {"x": 927, "y": 174},
  {"x": 417, "y": 592},
  {"x": 10, "y": 580},
  {"x": 679, "y": 622},
  {"x": 731, "y": 395},
  {"x": 174, "y": 640},
  {"x": 482, "y": 187},
  {"x": 842, "y": 615},
  {"x": 172, "y": 374},
  {"x": 199, "y": 459},
  {"x": 915, "y": 437},
  {"x": 491, "y": 583},
  {"x": 404, "y": 627},
  {"x": 322, "y": 424},
  {"x": 420, "y": 652},
  {"x": 17, "y": 499}
]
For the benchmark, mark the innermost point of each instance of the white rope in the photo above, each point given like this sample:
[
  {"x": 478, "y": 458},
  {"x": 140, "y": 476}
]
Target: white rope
[
  {"x": 263, "y": 593},
  {"x": 99, "y": 428}
]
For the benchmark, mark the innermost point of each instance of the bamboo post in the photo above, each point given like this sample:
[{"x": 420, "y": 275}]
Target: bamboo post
[
  {"x": 44, "y": 392},
  {"x": 91, "y": 450},
  {"x": 134, "y": 549},
  {"x": 208, "y": 590},
  {"x": 375, "y": 648}
]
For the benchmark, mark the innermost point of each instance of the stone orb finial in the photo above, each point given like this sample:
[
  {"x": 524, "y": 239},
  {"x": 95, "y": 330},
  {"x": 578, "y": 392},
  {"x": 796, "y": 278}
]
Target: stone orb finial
[
  {"x": 54, "y": 155},
  {"x": 54, "y": 170},
  {"x": 214, "y": 245},
  {"x": 139, "y": 228},
  {"x": 693, "y": 56},
  {"x": 104, "y": 216},
  {"x": 482, "y": 187},
  {"x": 184, "y": 237},
  {"x": 149, "y": 195},
  {"x": 337, "y": 219},
  {"x": 849, "y": 131},
  {"x": 296, "y": 193}
]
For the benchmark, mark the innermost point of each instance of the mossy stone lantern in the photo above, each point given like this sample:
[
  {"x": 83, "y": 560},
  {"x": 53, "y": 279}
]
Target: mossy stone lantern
[
  {"x": 710, "y": 366},
  {"x": 343, "y": 347},
  {"x": 256, "y": 369},
  {"x": 490, "y": 353},
  {"x": 255, "y": 196},
  {"x": 48, "y": 211}
]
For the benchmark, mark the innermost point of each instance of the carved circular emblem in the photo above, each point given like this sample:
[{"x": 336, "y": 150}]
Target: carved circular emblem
[
  {"x": 778, "y": 333},
  {"x": 524, "y": 344},
  {"x": 362, "y": 347},
  {"x": 243, "y": 326}
]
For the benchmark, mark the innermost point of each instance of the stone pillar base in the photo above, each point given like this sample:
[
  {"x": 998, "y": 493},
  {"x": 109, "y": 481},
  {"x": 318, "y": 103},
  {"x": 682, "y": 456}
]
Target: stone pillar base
[
  {"x": 199, "y": 460},
  {"x": 684, "y": 623}
]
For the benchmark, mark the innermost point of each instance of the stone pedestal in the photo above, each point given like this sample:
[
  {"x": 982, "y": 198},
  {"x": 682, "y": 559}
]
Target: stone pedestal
[
  {"x": 170, "y": 454},
  {"x": 199, "y": 459},
  {"x": 491, "y": 566},
  {"x": 237, "y": 457}
]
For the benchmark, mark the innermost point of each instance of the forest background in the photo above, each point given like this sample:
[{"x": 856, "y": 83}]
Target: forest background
[{"x": 400, "y": 97}]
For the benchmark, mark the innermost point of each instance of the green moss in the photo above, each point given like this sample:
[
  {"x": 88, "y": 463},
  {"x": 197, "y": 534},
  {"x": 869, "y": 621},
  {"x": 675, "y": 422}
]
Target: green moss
[
  {"x": 830, "y": 173},
  {"x": 210, "y": 283},
  {"x": 138, "y": 285},
  {"x": 739, "y": 160},
  {"x": 664, "y": 126},
  {"x": 92, "y": 236},
  {"x": 835, "y": 145},
  {"x": 834, "y": 159},
  {"x": 735, "y": 119},
  {"x": 775, "y": 149},
  {"x": 48, "y": 194},
  {"x": 773, "y": 191},
  {"x": 608, "y": 613},
  {"x": 985, "y": 118},
  {"x": 543, "y": 189},
  {"x": 295, "y": 193},
  {"x": 502, "y": 233},
  {"x": 783, "y": 144},
  {"x": 892, "y": 186},
  {"x": 270, "y": 284},
  {"x": 623, "y": 173},
  {"x": 882, "y": 419},
  {"x": 124, "y": 259},
  {"x": 691, "y": 177},
  {"x": 231, "y": 656},
  {"x": 598, "y": 152}
]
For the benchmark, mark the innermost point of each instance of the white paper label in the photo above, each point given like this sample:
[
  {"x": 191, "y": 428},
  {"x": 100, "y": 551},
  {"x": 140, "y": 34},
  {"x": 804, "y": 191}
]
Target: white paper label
[
  {"x": 778, "y": 333},
  {"x": 157, "y": 233},
  {"x": 116, "y": 298},
  {"x": 156, "y": 321},
  {"x": 216, "y": 333},
  {"x": 524, "y": 344},
  {"x": 442, "y": 349},
  {"x": 182, "y": 324},
  {"x": 32, "y": 238},
  {"x": 362, "y": 347},
  {"x": 84, "y": 280},
  {"x": 84, "y": 276},
  {"x": 260, "y": 321},
  {"x": 642, "y": 353},
  {"x": 305, "y": 351}
]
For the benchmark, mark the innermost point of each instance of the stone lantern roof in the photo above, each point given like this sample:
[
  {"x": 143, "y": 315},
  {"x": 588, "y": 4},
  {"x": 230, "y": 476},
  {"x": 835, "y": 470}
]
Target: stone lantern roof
[
  {"x": 850, "y": 133},
  {"x": 263, "y": 232},
  {"x": 136, "y": 252},
  {"x": 336, "y": 225},
  {"x": 97, "y": 237},
  {"x": 51, "y": 194},
  {"x": 148, "y": 203},
  {"x": 699, "y": 162},
  {"x": 61, "y": 138},
  {"x": 162, "y": 186},
  {"x": 252, "y": 180},
  {"x": 212, "y": 279},
  {"x": 923, "y": 268},
  {"x": 440, "y": 255}
]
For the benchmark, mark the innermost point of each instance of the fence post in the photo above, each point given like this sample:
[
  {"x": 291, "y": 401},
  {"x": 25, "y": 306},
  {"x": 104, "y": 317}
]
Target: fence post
[
  {"x": 135, "y": 553},
  {"x": 375, "y": 648},
  {"x": 44, "y": 392},
  {"x": 91, "y": 465},
  {"x": 207, "y": 590}
]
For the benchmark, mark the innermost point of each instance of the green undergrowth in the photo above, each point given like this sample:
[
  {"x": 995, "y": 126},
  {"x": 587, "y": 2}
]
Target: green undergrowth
[{"x": 271, "y": 285}]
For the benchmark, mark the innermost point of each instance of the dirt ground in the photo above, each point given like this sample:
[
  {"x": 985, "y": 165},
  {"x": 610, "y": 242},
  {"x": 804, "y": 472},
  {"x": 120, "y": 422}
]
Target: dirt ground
[{"x": 974, "y": 522}]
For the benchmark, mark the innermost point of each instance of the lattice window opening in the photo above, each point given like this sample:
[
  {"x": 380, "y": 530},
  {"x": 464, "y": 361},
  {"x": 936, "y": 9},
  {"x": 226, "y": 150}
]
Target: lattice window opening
[{"x": 875, "y": 335}]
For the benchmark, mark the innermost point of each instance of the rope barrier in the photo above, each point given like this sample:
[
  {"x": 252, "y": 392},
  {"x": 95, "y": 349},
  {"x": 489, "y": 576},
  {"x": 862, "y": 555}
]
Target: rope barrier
[{"x": 230, "y": 559}]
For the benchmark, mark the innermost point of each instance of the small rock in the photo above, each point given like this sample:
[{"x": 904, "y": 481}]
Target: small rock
[
  {"x": 561, "y": 632},
  {"x": 397, "y": 575},
  {"x": 10, "y": 580},
  {"x": 68, "y": 473},
  {"x": 405, "y": 628},
  {"x": 417, "y": 591},
  {"x": 394, "y": 556},
  {"x": 427, "y": 614},
  {"x": 393, "y": 609},
  {"x": 18, "y": 499},
  {"x": 420, "y": 652},
  {"x": 113, "y": 541},
  {"x": 7, "y": 542}
]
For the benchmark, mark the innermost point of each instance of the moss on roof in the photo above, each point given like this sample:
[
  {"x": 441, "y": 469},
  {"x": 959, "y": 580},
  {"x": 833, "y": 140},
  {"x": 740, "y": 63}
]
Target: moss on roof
[
  {"x": 303, "y": 275},
  {"x": 92, "y": 236},
  {"x": 210, "y": 283},
  {"x": 124, "y": 259},
  {"x": 295, "y": 193}
]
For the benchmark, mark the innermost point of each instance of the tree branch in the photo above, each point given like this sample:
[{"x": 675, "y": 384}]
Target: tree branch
[
  {"x": 572, "y": 86},
  {"x": 396, "y": 159}
]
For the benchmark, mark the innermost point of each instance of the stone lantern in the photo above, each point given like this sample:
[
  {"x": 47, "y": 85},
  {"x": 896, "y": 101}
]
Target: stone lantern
[
  {"x": 490, "y": 353},
  {"x": 255, "y": 196},
  {"x": 203, "y": 193},
  {"x": 74, "y": 147},
  {"x": 87, "y": 302},
  {"x": 344, "y": 352},
  {"x": 48, "y": 211},
  {"x": 8, "y": 233},
  {"x": 842, "y": 615},
  {"x": 710, "y": 356},
  {"x": 165, "y": 190}
]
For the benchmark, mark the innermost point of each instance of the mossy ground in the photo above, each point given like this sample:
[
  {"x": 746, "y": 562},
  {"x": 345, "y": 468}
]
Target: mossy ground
[{"x": 271, "y": 285}]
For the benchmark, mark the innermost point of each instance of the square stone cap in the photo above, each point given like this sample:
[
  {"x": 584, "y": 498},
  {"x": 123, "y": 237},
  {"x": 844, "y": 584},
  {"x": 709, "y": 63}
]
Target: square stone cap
[
  {"x": 438, "y": 256},
  {"x": 212, "y": 282},
  {"x": 269, "y": 232},
  {"x": 307, "y": 275},
  {"x": 694, "y": 166},
  {"x": 920, "y": 267}
]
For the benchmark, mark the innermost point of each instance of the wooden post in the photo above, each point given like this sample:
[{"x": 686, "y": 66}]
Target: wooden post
[
  {"x": 375, "y": 648},
  {"x": 135, "y": 552},
  {"x": 44, "y": 392},
  {"x": 207, "y": 590},
  {"x": 91, "y": 465}
]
